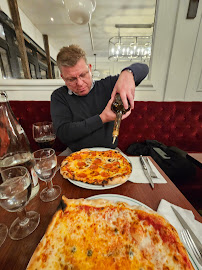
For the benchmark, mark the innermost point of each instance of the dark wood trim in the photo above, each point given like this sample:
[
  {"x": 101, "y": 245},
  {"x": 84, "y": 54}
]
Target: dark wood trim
[
  {"x": 20, "y": 37},
  {"x": 12, "y": 52},
  {"x": 192, "y": 9},
  {"x": 46, "y": 45}
]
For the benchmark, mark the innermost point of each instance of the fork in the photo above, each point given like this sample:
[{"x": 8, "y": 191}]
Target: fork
[
  {"x": 197, "y": 251},
  {"x": 152, "y": 173}
]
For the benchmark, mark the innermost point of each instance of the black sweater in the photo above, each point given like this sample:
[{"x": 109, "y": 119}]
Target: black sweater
[{"x": 76, "y": 118}]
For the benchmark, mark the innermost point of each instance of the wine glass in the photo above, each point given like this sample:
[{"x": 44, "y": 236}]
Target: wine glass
[
  {"x": 3, "y": 227},
  {"x": 3, "y": 233},
  {"x": 43, "y": 134},
  {"x": 15, "y": 192},
  {"x": 45, "y": 163}
]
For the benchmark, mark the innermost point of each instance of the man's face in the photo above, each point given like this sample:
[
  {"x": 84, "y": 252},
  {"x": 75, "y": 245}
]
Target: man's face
[{"x": 78, "y": 78}]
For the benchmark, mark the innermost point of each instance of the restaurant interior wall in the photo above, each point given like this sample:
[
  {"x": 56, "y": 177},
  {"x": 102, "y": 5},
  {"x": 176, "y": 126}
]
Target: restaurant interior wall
[{"x": 175, "y": 70}]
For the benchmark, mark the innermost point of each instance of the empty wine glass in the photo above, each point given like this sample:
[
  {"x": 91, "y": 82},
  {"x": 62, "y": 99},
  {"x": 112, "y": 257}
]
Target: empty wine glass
[
  {"x": 45, "y": 163},
  {"x": 3, "y": 233},
  {"x": 43, "y": 134},
  {"x": 15, "y": 192},
  {"x": 3, "y": 227}
]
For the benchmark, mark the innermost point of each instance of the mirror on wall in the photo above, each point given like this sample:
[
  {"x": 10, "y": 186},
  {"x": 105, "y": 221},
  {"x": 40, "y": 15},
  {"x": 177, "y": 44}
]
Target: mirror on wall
[{"x": 119, "y": 33}]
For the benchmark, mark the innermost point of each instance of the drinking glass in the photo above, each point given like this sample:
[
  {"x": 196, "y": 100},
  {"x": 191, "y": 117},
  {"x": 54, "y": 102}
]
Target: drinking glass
[
  {"x": 3, "y": 233},
  {"x": 15, "y": 192},
  {"x": 43, "y": 134},
  {"x": 45, "y": 163},
  {"x": 3, "y": 227}
]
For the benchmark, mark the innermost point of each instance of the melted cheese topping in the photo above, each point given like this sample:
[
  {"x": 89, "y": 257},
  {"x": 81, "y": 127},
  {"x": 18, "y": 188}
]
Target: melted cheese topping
[{"x": 90, "y": 235}]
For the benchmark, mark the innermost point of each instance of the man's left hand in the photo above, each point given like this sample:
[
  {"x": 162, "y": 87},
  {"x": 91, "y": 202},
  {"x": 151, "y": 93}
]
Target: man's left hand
[{"x": 125, "y": 86}]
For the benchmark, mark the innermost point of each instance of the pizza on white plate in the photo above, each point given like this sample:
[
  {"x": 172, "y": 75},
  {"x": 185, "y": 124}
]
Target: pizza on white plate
[
  {"x": 101, "y": 234},
  {"x": 108, "y": 167}
]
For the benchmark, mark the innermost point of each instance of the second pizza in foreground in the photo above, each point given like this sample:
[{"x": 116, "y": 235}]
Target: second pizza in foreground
[
  {"x": 101, "y": 234},
  {"x": 108, "y": 167}
]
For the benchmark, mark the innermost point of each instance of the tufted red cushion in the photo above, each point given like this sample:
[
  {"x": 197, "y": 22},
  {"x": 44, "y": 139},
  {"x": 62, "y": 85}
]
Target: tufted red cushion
[{"x": 172, "y": 123}]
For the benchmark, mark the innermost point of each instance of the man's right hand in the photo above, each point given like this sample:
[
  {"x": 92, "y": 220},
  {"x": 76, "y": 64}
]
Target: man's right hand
[{"x": 108, "y": 115}]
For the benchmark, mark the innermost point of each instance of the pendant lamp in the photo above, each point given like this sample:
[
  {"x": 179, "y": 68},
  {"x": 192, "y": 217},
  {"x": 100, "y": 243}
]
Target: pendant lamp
[{"x": 80, "y": 11}]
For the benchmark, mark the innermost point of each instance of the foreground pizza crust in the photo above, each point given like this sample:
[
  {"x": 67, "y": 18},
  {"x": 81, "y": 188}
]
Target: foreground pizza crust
[
  {"x": 108, "y": 167},
  {"x": 100, "y": 234}
]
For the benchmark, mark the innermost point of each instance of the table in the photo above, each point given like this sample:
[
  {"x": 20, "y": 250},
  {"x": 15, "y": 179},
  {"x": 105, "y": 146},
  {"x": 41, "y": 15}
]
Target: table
[{"x": 16, "y": 254}]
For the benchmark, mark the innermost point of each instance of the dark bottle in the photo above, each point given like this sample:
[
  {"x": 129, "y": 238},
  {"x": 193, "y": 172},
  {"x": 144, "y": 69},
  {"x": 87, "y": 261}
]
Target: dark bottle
[{"x": 118, "y": 108}]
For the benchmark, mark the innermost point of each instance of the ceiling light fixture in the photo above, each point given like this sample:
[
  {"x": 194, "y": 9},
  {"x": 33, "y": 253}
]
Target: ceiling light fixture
[
  {"x": 128, "y": 48},
  {"x": 95, "y": 72},
  {"x": 80, "y": 11}
]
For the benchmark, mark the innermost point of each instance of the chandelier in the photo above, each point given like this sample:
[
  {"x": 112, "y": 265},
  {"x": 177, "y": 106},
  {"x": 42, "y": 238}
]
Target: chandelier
[{"x": 128, "y": 48}]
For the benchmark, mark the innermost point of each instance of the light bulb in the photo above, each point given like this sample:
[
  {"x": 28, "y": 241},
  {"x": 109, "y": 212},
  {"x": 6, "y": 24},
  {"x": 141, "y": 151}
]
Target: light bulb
[{"x": 80, "y": 11}]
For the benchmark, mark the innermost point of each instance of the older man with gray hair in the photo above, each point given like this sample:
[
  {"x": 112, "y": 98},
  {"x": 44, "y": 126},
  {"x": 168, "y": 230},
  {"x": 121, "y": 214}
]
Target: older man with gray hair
[{"x": 81, "y": 110}]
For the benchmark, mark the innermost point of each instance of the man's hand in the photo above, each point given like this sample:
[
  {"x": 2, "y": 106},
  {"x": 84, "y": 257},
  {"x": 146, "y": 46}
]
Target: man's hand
[
  {"x": 108, "y": 115},
  {"x": 125, "y": 86}
]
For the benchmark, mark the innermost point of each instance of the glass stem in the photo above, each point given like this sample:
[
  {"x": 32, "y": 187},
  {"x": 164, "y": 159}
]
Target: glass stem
[
  {"x": 23, "y": 218},
  {"x": 50, "y": 185}
]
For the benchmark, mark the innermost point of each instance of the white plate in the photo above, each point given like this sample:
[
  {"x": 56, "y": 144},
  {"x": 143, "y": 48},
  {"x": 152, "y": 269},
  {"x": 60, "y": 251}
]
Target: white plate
[
  {"x": 89, "y": 186},
  {"x": 97, "y": 187},
  {"x": 119, "y": 198}
]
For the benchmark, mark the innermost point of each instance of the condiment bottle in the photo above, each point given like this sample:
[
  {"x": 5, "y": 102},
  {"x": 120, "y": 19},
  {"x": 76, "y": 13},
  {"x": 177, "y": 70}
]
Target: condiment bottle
[
  {"x": 14, "y": 145},
  {"x": 118, "y": 108}
]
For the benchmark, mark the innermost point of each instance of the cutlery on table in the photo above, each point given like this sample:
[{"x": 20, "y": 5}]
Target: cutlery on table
[
  {"x": 189, "y": 242},
  {"x": 189, "y": 237},
  {"x": 146, "y": 171},
  {"x": 152, "y": 173}
]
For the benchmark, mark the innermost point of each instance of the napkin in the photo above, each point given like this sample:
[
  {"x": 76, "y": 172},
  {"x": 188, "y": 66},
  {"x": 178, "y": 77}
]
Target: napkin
[
  {"x": 138, "y": 176},
  {"x": 165, "y": 210}
]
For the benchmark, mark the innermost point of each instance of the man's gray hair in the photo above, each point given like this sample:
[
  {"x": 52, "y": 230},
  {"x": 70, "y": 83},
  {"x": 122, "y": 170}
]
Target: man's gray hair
[{"x": 70, "y": 55}]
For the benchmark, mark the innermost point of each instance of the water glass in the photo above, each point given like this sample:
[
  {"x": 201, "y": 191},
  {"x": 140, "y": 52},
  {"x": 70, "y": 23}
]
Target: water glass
[
  {"x": 45, "y": 164},
  {"x": 15, "y": 192}
]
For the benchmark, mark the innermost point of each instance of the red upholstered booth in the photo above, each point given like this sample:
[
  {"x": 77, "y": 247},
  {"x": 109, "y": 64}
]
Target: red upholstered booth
[{"x": 171, "y": 123}]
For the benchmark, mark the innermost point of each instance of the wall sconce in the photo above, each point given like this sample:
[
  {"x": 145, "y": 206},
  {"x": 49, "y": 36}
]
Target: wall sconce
[{"x": 80, "y": 11}]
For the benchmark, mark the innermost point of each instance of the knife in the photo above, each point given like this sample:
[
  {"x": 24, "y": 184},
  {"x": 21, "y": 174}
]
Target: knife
[
  {"x": 186, "y": 227},
  {"x": 146, "y": 171}
]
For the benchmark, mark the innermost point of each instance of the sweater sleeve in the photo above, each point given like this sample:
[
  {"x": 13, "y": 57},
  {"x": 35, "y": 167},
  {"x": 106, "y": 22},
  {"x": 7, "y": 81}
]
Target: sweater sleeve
[{"x": 139, "y": 70}]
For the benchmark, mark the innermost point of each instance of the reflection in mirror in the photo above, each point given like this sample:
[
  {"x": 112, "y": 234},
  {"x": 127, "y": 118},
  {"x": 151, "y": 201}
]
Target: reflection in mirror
[
  {"x": 37, "y": 19},
  {"x": 2, "y": 34},
  {"x": 4, "y": 64}
]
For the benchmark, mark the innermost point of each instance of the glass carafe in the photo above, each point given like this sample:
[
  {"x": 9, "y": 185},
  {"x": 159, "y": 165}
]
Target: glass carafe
[{"x": 14, "y": 144}]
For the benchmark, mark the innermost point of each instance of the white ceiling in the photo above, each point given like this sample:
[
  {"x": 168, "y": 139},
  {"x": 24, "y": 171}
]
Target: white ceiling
[{"x": 62, "y": 32}]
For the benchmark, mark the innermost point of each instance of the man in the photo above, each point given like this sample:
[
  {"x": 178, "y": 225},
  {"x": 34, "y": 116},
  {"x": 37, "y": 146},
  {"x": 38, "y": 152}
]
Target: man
[{"x": 81, "y": 110}]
